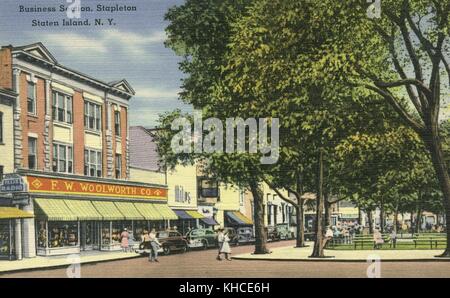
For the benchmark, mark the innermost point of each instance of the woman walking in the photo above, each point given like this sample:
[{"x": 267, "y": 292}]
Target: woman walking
[
  {"x": 220, "y": 237},
  {"x": 125, "y": 236},
  {"x": 154, "y": 246},
  {"x": 226, "y": 246}
]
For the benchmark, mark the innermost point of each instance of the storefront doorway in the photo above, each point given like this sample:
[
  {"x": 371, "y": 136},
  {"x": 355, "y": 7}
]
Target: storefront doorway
[
  {"x": 6, "y": 240},
  {"x": 90, "y": 235}
]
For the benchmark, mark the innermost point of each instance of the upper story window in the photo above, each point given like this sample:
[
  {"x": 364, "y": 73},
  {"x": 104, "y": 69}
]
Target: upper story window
[
  {"x": 62, "y": 107},
  {"x": 32, "y": 152},
  {"x": 92, "y": 116},
  {"x": 31, "y": 98},
  {"x": 118, "y": 166},
  {"x": 92, "y": 163},
  {"x": 117, "y": 126},
  {"x": 1, "y": 127},
  {"x": 62, "y": 158}
]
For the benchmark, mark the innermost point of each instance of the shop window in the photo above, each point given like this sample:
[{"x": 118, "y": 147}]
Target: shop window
[
  {"x": 92, "y": 116},
  {"x": 32, "y": 152},
  {"x": 2, "y": 169},
  {"x": 209, "y": 188},
  {"x": 117, "y": 126},
  {"x": 118, "y": 166},
  {"x": 41, "y": 234},
  {"x": 62, "y": 234},
  {"x": 1, "y": 127},
  {"x": 92, "y": 163},
  {"x": 6, "y": 239},
  {"x": 62, "y": 158},
  {"x": 62, "y": 107},
  {"x": 140, "y": 228},
  {"x": 31, "y": 98}
]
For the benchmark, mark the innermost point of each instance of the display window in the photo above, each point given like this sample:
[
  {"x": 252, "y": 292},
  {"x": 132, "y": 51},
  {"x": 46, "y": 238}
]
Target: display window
[
  {"x": 62, "y": 234},
  {"x": 106, "y": 233},
  {"x": 139, "y": 228},
  {"x": 6, "y": 239}
]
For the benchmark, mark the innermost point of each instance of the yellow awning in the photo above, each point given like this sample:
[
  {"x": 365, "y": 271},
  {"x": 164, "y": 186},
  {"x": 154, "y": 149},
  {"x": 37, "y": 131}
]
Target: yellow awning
[
  {"x": 84, "y": 210},
  {"x": 148, "y": 211},
  {"x": 54, "y": 209},
  {"x": 12, "y": 213},
  {"x": 194, "y": 214},
  {"x": 129, "y": 211},
  {"x": 165, "y": 212},
  {"x": 108, "y": 210}
]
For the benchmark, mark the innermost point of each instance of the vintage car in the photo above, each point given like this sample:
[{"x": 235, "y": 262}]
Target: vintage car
[
  {"x": 234, "y": 239},
  {"x": 245, "y": 235},
  {"x": 284, "y": 231},
  {"x": 273, "y": 234},
  {"x": 201, "y": 238},
  {"x": 170, "y": 240}
]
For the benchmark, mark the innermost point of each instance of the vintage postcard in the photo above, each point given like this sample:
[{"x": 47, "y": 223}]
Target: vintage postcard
[{"x": 208, "y": 139}]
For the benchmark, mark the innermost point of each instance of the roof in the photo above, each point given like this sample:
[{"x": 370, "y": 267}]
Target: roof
[
  {"x": 39, "y": 52},
  {"x": 143, "y": 149}
]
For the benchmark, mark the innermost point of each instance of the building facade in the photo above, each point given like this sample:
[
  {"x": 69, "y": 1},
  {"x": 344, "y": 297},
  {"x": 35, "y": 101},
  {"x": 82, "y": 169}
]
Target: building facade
[{"x": 69, "y": 180}]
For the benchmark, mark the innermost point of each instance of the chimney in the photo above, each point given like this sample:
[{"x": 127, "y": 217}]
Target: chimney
[{"x": 6, "y": 76}]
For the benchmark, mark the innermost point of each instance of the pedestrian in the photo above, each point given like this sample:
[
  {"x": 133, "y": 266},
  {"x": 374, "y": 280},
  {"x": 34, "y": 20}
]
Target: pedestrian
[
  {"x": 393, "y": 237},
  {"x": 124, "y": 237},
  {"x": 220, "y": 238},
  {"x": 154, "y": 246},
  {"x": 226, "y": 249},
  {"x": 377, "y": 239},
  {"x": 328, "y": 236}
]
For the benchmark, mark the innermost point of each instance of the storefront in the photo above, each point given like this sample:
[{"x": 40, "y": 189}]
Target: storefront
[
  {"x": 236, "y": 218},
  {"x": 74, "y": 214},
  {"x": 187, "y": 220},
  {"x": 10, "y": 221}
]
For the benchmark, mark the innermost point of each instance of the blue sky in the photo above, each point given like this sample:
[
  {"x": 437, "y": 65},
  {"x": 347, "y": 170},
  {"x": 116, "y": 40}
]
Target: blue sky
[{"x": 133, "y": 49}]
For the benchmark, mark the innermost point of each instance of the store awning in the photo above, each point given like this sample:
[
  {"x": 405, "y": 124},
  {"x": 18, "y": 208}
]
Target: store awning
[
  {"x": 195, "y": 214},
  {"x": 129, "y": 211},
  {"x": 165, "y": 212},
  {"x": 108, "y": 210},
  {"x": 182, "y": 214},
  {"x": 148, "y": 211},
  {"x": 188, "y": 214},
  {"x": 210, "y": 221},
  {"x": 54, "y": 209},
  {"x": 239, "y": 218},
  {"x": 12, "y": 213},
  {"x": 84, "y": 210}
]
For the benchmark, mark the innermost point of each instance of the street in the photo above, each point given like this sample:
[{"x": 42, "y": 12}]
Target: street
[{"x": 202, "y": 264}]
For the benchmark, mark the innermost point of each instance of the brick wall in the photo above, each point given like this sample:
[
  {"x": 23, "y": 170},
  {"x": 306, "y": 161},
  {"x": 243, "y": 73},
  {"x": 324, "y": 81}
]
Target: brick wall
[
  {"x": 124, "y": 122},
  {"x": 6, "y": 80},
  {"x": 78, "y": 133}
]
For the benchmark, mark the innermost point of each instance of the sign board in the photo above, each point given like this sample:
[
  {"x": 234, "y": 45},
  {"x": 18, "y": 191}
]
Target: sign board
[
  {"x": 81, "y": 187},
  {"x": 13, "y": 183}
]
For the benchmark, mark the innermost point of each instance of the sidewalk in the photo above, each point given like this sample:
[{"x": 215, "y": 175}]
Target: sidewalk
[
  {"x": 63, "y": 261},
  {"x": 302, "y": 254}
]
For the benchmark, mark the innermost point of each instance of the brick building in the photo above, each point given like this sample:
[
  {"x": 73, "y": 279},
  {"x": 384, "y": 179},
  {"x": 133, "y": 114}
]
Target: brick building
[{"x": 71, "y": 159}]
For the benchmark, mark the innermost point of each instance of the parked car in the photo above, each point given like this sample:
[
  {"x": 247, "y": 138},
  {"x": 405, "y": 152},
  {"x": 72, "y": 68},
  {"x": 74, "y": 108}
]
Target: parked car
[
  {"x": 170, "y": 240},
  {"x": 272, "y": 234},
  {"x": 284, "y": 231},
  {"x": 203, "y": 238},
  {"x": 245, "y": 235},
  {"x": 234, "y": 238}
]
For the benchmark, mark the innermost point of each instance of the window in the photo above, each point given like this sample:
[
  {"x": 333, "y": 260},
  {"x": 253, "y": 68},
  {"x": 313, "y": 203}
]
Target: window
[
  {"x": 241, "y": 197},
  {"x": 92, "y": 116},
  {"x": 118, "y": 166},
  {"x": 117, "y": 123},
  {"x": 32, "y": 149},
  {"x": 1, "y": 127},
  {"x": 62, "y": 158},
  {"x": 209, "y": 188},
  {"x": 62, "y": 107},
  {"x": 31, "y": 98},
  {"x": 1, "y": 173},
  {"x": 92, "y": 163}
]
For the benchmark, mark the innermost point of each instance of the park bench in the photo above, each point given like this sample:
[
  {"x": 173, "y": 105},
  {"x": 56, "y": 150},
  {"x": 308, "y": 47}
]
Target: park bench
[
  {"x": 429, "y": 240},
  {"x": 361, "y": 240}
]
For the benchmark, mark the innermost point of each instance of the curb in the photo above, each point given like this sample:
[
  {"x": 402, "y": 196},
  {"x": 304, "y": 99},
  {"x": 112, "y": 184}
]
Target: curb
[
  {"x": 50, "y": 267},
  {"x": 332, "y": 259}
]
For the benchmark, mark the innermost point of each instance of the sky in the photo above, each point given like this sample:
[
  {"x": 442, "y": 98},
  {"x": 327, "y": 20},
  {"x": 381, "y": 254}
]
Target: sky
[{"x": 132, "y": 49}]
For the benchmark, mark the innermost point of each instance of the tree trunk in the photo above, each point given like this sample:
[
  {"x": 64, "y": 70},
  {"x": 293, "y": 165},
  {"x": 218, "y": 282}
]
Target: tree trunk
[
  {"x": 418, "y": 220},
  {"x": 258, "y": 205},
  {"x": 318, "y": 243},
  {"x": 300, "y": 240},
  {"x": 369, "y": 215},
  {"x": 396, "y": 220},
  {"x": 433, "y": 142},
  {"x": 327, "y": 212}
]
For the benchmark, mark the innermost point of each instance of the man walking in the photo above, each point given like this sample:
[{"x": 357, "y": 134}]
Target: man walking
[
  {"x": 220, "y": 239},
  {"x": 154, "y": 246}
]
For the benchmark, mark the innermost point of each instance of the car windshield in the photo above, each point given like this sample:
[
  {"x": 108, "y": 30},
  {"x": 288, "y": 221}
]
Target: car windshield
[{"x": 162, "y": 235}]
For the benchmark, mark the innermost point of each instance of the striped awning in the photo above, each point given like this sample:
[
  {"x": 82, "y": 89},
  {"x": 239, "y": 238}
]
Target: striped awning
[
  {"x": 195, "y": 214},
  {"x": 108, "y": 210},
  {"x": 84, "y": 210},
  {"x": 239, "y": 218},
  {"x": 12, "y": 213},
  {"x": 166, "y": 212},
  {"x": 54, "y": 209},
  {"x": 210, "y": 221},
  {"x": 129, "y": 211},
  {"x": 188, "y": 214},
  {"x": 148, "y": 211}
]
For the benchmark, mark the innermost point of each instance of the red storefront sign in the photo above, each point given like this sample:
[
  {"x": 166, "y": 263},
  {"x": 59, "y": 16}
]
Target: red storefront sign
[{"x": 78, "y": 187}]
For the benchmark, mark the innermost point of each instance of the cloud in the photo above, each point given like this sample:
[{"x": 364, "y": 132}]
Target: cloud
[
  {"x": 75, "y": 44},
  {"x": 156, "y": 93}
]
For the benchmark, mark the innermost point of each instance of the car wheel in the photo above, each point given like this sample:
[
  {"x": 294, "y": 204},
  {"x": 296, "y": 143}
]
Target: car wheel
[
  {"x": 184, "y": 249},
  {"x": 166, "y": 250}
]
